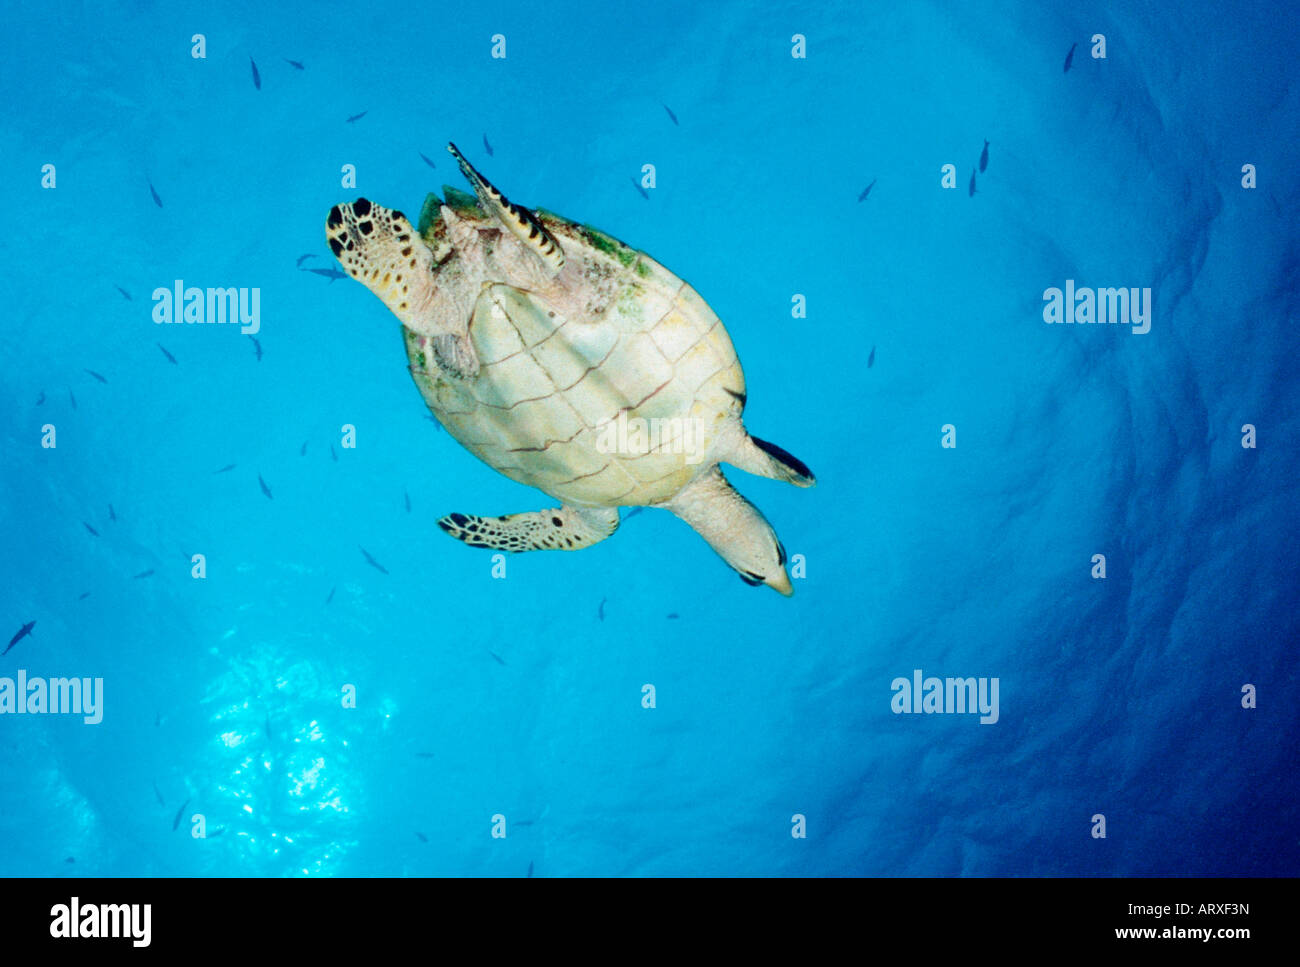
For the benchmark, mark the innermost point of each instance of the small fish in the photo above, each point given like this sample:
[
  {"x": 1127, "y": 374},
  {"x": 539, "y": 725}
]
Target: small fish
[
  {"x": 142, "y": 574},
  {"x": 70, "y": 859},
  {"x": 125, "y": 295},
  {"x": 158, "y": 793},
  {"x": 157, "y": 719},
  {"x": 257, "y": 78},
  {"x": 427, "y": 160},
  {"x": 641, "y": 191},
  {"x": 41, "y": 401},
  {"x": 270, "y": 732},
  {"x": 673, "y": 614},
  {"x": 330, "y": 274},
  {"x": 170, "y": 358},
  {"x": 487, "y": 147},
  {"x": 1069, "y": 59},
  {"x": 333, "y": 456},
  {"x": 530, "y": 870},
  {"x": 424, "y": 755},
  {"x": 972, "y": 184},
  {"x": 84, "y": 596},
  {"x": 984, "y": 156},
  {"x": 408, "y": 501},
  {"x": 92, "y": 530},
  {"x": 356, "y": 117},
  {"x": 433, "y": 419},
  {"x": 600, "y": 611},
  {"x": 97, "y": 376},
  {"x": 73, "y": 399},
  {"x": 257, "y": 348},
  {"x": 867, "y": 190},
  {"x": 632, "y": 513},
  {"x": 499, "y": 660},
  {"x": 331, "y": 594},
  {"x": 176, "y": 823},
  {"x": 225, "y": 469},
  {"x": 871, "y": 358},
  {"x": 217, "y": 833},
  {"x": 304, "y": 258},
  {"x": 372, "y": 562},
  {"x": 111, "y": 516},
  {"x": 670, "y": 113},
  {"x": 525, "y": 822},
  {"x": 303, "y": 451},
  {"x": 422, "y": 838},
  {"x": 154, "y": 191},
  {"x": 265, "y": 489},
  {"x": 23, "y": 632},
  {"x": 295, "y": 64}
]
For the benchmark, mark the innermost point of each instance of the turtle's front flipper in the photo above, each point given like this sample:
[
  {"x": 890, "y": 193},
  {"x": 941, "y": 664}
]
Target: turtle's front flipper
[
  {"x": 566, "y": 529},
  {"x": 379, "y": 248},
  {"x": 734, "y": 528}
]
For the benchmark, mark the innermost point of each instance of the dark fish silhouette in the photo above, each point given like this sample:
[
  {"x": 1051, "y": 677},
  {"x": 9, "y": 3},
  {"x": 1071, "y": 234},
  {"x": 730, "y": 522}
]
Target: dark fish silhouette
[
  {"x": 1069, "y": 59},
  {"x": 270, "y": 732},
  {"x": 330, "y": 274},
  {"x": 867, "y": 190},
  {"x": 265, "y": 489},
  {"x": 487, "y": 147},
  {"x": 257, "y": 348},
  {"x": 111, "y": 516},
  {"x": 176, "y": 823},
  {"x": 153, "y": 191},
  {"x": 524, "y": 822},
  {"x": 499, "y": 660},
  {"x": 295, "y": 64},
  {"x": 871, "y": 359},
  {"x": 427, "y": 160},
  {"x": 434, "y": 420},
  {"x": 303, "y": 451},
  {"x": 984, "y": 156},
  {"x": 674, "y": 614},
  {"x": 158, "y": 793},
  {"x": 600, "y": 611},
  {"x": 304, "y": 258},
  {"x": 333, "y": 456},
  {"x": 73, "y": 399},
  {"x": 408, "y": 501},
  {"x": 125, "y": 295},
  {"x": 257, "y": 78},
  {"x": 23, "y": 632},
  {"x": 632, "y": 513},
  {"x": 217, "y": 833},
  {"x": 227, "y": 467},
  {"x": 41, "y": 401},
  {"x": 70, "y": 859},
  {"x": 331, "y": 594},
  {"x": 84, "y": 596},
  {"x": 157, "y": 719},
  {"x": 424, "y": 755},
  {"x": 670, "y": 113},
  {"x": 372, "y": 562},
  {"x": 421, "y": 836},
  {"x": 971, "y": 193},
  {"x": 170, "y": 358},
  {"x": 89, "y": 528},
  {"x": 142, "y": 574},
  {"x": 97, "y": 376},
  {"x": 641, "y": 191},
  {"x": 357, "y": 117},
  {"x": 530, "y": 862}
]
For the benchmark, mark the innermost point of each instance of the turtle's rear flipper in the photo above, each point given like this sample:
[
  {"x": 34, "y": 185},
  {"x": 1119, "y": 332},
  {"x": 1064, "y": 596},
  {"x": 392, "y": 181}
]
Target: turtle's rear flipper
[
  {"x": 735, "y": 528},
  {"x": 565, "y": 529},
  {"x": 765, "y": 459},
  {"x": 378, "y": 247}
]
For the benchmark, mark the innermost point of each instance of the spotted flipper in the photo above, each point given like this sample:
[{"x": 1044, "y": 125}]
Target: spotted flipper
[
  {"x": 378, "y": 247},
  {"x": 566, "y": 529},
  {"x": 518, "y": 220}
]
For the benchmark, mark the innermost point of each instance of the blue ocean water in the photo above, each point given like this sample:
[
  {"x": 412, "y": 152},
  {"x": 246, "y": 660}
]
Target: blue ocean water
[{"x": 487, "y": 706}]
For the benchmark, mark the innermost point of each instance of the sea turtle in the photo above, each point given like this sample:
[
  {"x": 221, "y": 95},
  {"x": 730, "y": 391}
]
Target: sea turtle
[{"x": 572, "y": 363}]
